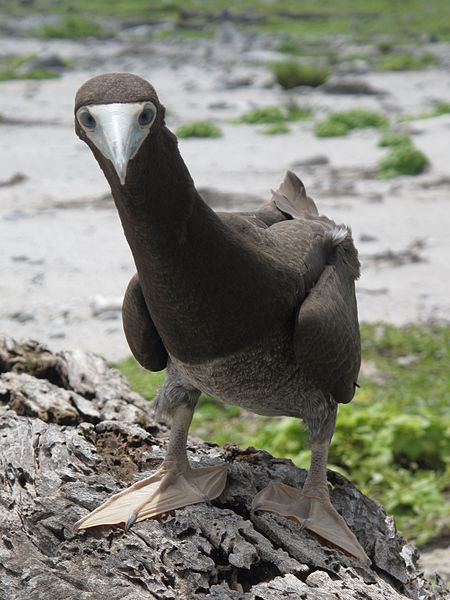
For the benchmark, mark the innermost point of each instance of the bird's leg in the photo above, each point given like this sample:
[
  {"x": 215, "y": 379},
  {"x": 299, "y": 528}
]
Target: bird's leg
[
  {"x": 312, "y": 506},
  {"x": 174, "y": 485}
]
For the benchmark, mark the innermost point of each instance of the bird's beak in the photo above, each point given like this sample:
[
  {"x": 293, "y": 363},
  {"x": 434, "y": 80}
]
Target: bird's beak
[{"x": 116, "y": 133}]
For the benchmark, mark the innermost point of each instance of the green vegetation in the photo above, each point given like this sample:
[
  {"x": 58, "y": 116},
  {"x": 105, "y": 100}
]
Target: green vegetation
[
  {"x": 71, "y": 27},
  {"x": 340, "y": 123},
  {"x": 297, "y": 47},
  {"x": 291, "y": 111},
  {"x": 362, "y": 21},
  {"x": 263, "y": 114},
  {"x": 440, "y": 108},
  {"x": 199, "y": 129},
  {"x": 392, "y": 441},
  {"x": 15, "y": 67},
  {"x": 276, "y": 129},
  {"x": 394, "y": 138},
  {"x": 295, "y": 112},
  {"x": 290, "y": 74},
  {"x": 406, "y": 62},
  {"x": 403, "y": 159}
]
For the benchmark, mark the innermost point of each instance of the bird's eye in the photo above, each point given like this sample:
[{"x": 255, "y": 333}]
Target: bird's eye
[
  {"x": 146, "y": 116},
  {"x": 87, "y": 120}
]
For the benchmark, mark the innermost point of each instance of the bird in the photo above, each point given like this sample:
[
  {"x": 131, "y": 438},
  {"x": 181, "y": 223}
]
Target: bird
[{"x": 257, "y": 309}]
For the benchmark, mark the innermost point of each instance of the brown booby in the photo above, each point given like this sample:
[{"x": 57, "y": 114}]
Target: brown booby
[{"x": 257, "y": 309}]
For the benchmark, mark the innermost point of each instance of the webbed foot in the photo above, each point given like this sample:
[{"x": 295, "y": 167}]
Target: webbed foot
[
  {"x": 313, "y": 509},
  {"x": 167, "y": 489}
]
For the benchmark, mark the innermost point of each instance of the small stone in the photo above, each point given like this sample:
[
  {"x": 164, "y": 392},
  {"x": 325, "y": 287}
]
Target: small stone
[
  {"x": 311, "y": 161},
  {"x": 22, "y": 316},
  {"x": 367, "y": 237}
]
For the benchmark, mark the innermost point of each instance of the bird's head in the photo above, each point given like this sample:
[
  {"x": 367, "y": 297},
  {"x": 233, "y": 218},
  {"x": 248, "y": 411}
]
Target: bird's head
[{"x": 114, "y": 114}]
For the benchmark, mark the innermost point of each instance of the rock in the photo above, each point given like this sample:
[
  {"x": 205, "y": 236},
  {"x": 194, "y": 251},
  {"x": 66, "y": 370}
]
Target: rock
[
  {"x": 14, "y": 179},
  {"x": 350, "y": 86},
  {"x": 73, "y": 433},
  {"x": 354, "y": 67},
  {"x": 106, "y": 307},
  {"x": 436, "y": 560},
  {"x": 22, "y": 316},
  {"x": 367, "y": 237},
  {"x": 46, "y": 61},
  {"x": 311, "y": 161},
  {"x": 226, "y": 34},
  {"x": 233, "y": 82}
]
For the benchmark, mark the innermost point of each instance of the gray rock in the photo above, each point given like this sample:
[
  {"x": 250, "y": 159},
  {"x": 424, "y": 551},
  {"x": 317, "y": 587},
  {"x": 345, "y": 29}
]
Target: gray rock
[
  {"x": 22, "y": 316},
  {"x": 311, "y": 161},
  {"x": 73, "y": 433},
  {"x": 350, "y": 86},
  {"x": 47, "y": 61}
]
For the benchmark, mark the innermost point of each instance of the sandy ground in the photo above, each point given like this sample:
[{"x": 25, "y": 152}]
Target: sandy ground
[{"x": 62, "y": 249}]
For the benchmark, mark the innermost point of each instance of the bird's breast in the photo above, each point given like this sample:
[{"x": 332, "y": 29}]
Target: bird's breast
[{"x": 263, "y": 378}]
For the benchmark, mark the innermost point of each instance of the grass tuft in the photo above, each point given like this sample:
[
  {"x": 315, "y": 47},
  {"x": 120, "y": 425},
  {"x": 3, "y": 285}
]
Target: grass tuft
[
  {"x": 393, "y": 138},
  {"x": 262, "y": 114},
  {"x": 403, "y": 159},
  {"x": 71, "y": 27},
  {"x": 406, "y": 62},
  {"x": 291, "y": 74},
  {"x": 267, "y": 115},
  {"x": 340, "y": 123},
  {"x": 199, "y": 129},
  {"x": 15, "y": 68},
  {"x": 276, "y": 129}
]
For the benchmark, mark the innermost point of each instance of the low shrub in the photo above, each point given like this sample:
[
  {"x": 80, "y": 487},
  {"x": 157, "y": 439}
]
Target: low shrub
[
  {"x": 394, "y": 138},
  {"x": 291, "y": 74},
  {"x": 340, "y": 123},
  {"x": 403, "y": 159},
  {"x": 15, "y": 67},
  {"x": 266, "y": 115},
  {"x": 71, "y": 27},
  {"x": 276, "y": 129},
  {"x": 406, "y": 62},
  {"x": 262, "y": 114},
  {"x": 199, "y": 129}
]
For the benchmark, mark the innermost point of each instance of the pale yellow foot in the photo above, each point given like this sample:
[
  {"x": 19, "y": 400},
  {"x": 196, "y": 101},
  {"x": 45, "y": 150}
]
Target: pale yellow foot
[
  {"x": 313, "y": 510},
  {"x": 165, "y": 490}
]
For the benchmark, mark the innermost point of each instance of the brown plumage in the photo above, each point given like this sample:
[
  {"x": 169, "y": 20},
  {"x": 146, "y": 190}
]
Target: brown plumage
[{"x": 256, "y": 309}]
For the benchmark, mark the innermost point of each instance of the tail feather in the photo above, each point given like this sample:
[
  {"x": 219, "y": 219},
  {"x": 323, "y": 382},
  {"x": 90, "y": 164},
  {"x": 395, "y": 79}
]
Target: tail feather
[{"x": 290, "y": 197}]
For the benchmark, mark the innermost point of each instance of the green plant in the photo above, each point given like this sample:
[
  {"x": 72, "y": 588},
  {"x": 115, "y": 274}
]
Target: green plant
[
  {"x": 393, "y": 138},
  {"x": 392, "y": 440},
  {"x": 385, "y": 46},
  {"x": 199, "y": 129},
  {"x": 441, "y": 108},
  {"x": 71, "y": 27},
  {"x": 289, "y": 46},
  {"x": 295, "y": 112},
  {"x": 406, "y": 62},
  {"x": 266, "y": 115},
  {"x": 262, "y": 114},
  {"x": 403, "y": 159},
  {"x": 340, "y": 123},
  {"x": 291, "y": 74},
  {"x": 15, "y": 67},
  {"x": 276, "y": 129}
]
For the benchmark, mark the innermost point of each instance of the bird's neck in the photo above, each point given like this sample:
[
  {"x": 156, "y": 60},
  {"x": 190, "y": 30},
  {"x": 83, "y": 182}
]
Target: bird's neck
[{"x": 195, "y": 273}]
